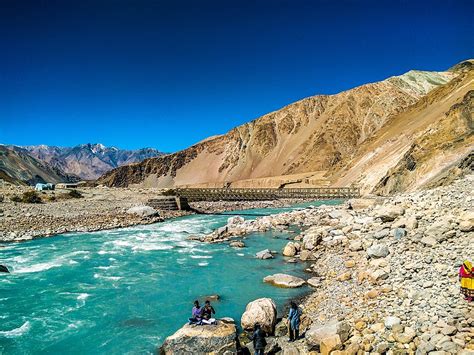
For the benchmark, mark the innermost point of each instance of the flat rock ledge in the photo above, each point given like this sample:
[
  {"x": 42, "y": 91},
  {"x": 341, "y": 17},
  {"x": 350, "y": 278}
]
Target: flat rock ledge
[
  {"x": 203, "y": 339},
  {"x": 284, "y": 280}
]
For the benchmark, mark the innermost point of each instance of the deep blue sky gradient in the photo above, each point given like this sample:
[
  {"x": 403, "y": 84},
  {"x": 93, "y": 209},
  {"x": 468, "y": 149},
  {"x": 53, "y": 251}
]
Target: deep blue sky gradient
[{"x": 166, "y": 74}]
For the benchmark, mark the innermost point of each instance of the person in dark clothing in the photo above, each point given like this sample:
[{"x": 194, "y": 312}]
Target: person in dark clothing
[
  {"x": 294, "y": 321},
  {"x": 196, "y": 317},
  {"x": 207, "y": 312},
  {"x": 258, "y": 339}
]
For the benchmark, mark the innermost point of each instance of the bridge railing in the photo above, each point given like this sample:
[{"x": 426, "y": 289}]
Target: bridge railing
[{"x": 245, "y": 194}]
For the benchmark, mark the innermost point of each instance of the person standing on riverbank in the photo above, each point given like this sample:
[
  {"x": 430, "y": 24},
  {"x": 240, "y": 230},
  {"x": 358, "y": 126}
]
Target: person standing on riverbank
[
  {"x": 294, "y": 321},
  {"x": 466, "y": 277},
  {"x": 258, "y": 339}
]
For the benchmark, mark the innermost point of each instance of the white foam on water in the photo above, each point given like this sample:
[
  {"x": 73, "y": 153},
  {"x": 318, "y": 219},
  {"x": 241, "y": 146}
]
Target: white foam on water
[
  {"x": 201, "y": 257},
  {"x": 112, "y": 278},
  {"x": 17, "y": 332},
  {"x": 82, "y": 296},
  {"x": 105, "y": 267},
  {"x": 203, "y": 264},
  {"x": 37, "y": 267},
  {"x": 240, "y": 254},
  {"x": 152, "y": 247}
]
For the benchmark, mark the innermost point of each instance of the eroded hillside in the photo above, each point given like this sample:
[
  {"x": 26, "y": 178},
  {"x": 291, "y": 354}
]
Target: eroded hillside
[{"x": 341, "y": 134}]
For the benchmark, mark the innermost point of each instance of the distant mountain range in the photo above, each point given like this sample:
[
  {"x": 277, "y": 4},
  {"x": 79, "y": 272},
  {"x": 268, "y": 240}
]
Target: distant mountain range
[
  {"x": 55, "y": 164},
  {"x": 19, "y": 167}
]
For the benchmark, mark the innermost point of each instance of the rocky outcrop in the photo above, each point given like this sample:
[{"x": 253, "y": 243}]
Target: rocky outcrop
[
  {"x": 202, "y": 339},
  {"x": 262, "y": 311}
]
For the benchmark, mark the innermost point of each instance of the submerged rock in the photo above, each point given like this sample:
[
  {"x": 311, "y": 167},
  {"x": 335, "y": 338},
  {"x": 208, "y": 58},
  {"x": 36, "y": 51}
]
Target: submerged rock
[
  {"x": 237, "y": 244},
  {"x": 284, "y": 280},
  {"x": 262, "y": 311},
  {"x": 202, "y": 339}
]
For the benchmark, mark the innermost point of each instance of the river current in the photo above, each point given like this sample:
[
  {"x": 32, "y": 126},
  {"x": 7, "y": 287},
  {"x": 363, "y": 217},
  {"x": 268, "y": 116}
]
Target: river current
[{"x": 124, "y": 291}]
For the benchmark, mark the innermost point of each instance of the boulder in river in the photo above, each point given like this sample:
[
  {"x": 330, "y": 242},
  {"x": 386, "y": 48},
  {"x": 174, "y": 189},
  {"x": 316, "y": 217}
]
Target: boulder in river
[
  {"x": 237, "y": 244},
  {"x": 3, "y": 268},
  {"x": 284, "y": 280},
  {"x": 202, "y": 339},
  {"x": 264, "y": 254},
  {"x": 262, "y": 311}
]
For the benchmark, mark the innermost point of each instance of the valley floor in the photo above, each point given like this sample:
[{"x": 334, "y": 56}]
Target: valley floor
[{"x": 99, "y": 209}]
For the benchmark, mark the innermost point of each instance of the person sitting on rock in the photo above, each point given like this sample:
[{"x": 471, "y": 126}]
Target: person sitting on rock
[
  {"x": 258, "y": 339},
  {"x": 207, "y": 312},
  {"x": 196, "y": 317},
  {"x": 294, "y": 321},
  {"x": 466, "y": 277}
]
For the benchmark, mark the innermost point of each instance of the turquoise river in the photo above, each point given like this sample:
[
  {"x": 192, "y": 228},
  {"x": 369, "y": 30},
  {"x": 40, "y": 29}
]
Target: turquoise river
[{"x": 123, "y": 291}]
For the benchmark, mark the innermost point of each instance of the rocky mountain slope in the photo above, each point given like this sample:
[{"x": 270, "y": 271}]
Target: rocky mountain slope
[
  {"x": 89, "y": 161},
  {"x": 17, "y": 166},
  {"x": 359, "y": 136}
]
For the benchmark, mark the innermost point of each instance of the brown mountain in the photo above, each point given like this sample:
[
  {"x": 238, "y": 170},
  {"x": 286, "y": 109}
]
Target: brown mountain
[
  {"x": 359, "y": 136},
  {"x": 17, "y": 166}
]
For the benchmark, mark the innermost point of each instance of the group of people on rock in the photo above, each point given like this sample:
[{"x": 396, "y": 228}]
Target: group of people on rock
[
  {"x": 466, "y": 277},
  {"x": 202, "y": 315}
]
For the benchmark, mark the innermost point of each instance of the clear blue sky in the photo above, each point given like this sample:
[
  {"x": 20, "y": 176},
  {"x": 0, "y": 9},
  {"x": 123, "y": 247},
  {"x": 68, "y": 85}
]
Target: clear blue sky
[{"x": 166, "y": 74}]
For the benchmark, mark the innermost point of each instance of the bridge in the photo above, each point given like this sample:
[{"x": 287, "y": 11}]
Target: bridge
[{"x": 261, "y": 194}]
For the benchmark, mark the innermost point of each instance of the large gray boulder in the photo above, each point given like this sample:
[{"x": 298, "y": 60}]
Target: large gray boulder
[
  {"x": 262, "y": 311},
  {"x": 143, "y": 211},
  {"x": 466, "y": 221},
  {"x": 378, "y": 251},
  {"x": 388, "y": 213},
  {"x": 317, "y": 333},
  {"x": 284, "y": 280},
  {"x": 202, "y": 339}
]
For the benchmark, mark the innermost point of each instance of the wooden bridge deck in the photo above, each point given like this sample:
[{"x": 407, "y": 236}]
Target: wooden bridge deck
[{"x": 255, "y": 194}]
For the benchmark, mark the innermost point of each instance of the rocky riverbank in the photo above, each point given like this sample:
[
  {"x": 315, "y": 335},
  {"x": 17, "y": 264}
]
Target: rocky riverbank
[
  {"x": 99, "y": 208},
  {"x": 384, "y": 273}
]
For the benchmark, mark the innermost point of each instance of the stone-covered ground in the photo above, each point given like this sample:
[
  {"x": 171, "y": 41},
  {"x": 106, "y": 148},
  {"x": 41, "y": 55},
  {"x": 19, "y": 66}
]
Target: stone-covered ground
[{"x": 384, "y": 273}]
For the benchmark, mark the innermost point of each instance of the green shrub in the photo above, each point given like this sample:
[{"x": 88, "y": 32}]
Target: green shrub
[
  {"x": 75, "y": 194},
  {"x": 31, "y": 197},
  {"x": 15, "y": 198}
]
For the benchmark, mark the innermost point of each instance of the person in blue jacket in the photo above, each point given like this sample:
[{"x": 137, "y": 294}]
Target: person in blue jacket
[{"x": 294, "y": 321}]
